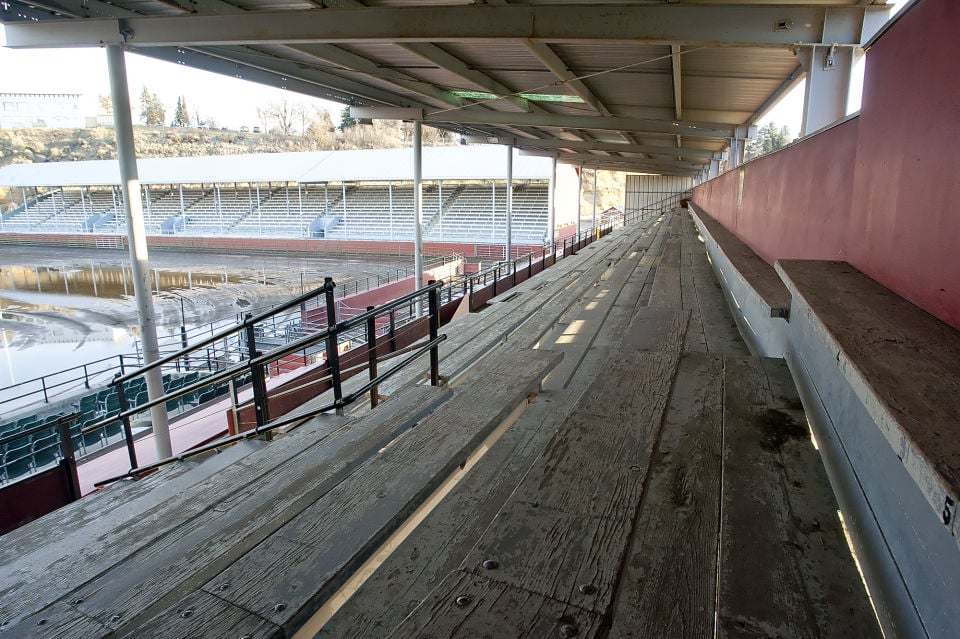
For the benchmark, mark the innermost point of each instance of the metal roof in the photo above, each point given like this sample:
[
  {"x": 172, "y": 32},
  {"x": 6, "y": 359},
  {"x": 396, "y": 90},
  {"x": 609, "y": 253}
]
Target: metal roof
[
  {"x": 439, "y": 163},
  {"x": 677, "y": 76}
]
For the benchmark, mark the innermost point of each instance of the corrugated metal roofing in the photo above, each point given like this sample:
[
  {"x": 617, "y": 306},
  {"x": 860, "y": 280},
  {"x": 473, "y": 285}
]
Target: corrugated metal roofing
[{"x": 728, "y": 70}]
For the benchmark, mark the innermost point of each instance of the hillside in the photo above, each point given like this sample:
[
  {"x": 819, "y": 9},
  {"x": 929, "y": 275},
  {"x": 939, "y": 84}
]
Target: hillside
[{"x": 22, "y": 146}]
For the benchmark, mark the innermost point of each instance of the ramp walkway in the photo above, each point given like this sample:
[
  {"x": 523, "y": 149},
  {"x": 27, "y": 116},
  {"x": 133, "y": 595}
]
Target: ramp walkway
[{"x": 607, "y": 460}]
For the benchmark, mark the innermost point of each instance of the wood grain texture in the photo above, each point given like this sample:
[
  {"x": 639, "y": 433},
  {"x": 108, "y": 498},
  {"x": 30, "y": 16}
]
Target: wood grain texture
[
  {"x": 785, "y": 568},
  {"x": 287, "y": 577},
  {"x": 667, "y": 587},
  {"x": 568, "y": 523},
  {"x": 57, "y": 620},
  {"x": 438, "y": 545},
  {"x": 761, "y": 276},
  {"x": 466, "y": 605},
  {"x": 191, "y": 618},
  {"x": 720, "y": 331},
  {"x": 29, "y": 583},
  {"x": 170, "y": 560},
  {"x": 902, "y": 363}
]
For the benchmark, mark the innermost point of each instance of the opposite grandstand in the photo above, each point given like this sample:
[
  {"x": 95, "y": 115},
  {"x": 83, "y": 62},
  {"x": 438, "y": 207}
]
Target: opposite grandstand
[{"x": 340, "y": 195}]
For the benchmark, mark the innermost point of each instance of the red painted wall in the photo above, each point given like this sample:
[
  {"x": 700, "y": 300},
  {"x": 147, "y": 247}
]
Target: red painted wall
[
  {"x": 878, "y": 189},
  {"x": 904, "y": 229}
]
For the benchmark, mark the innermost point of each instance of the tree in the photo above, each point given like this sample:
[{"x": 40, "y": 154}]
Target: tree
[
  {"x": 106, "y": 103},
  {"x": 152, "y": 111},
  {"x": 769, "y": 138},
  {"x": 282, "y": 114},
  {"x": 181, "y": 116},
  {"x": 346, "y": 120}
]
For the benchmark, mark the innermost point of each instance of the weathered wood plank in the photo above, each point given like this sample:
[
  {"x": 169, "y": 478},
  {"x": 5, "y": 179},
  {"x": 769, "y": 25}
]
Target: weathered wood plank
[
  {"x": 761, "y": 276},
  {"x": 224, "y": 524},
  {"x": 667, "y": 587},
  {"x": 29, "y": 583},
  {"x": 57, "y": 620},
  {"x": 655, "y": 329},
  {"x": 902, "y": 363},
  {"x": 312, "y": 555},
  {"x": 566, "y": 528},
  {"x": 720, "y": 331},
  {"x": 666, "y": 284},
  {"x": 191, "y": 619},
  {"x": 437, "y": 547},
  {"x": 785, "y": 568},
  {"x": 466, "y": 605}
]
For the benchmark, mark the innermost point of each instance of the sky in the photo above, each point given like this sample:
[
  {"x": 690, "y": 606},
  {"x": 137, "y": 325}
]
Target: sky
[{"x": 232, "y": 102}]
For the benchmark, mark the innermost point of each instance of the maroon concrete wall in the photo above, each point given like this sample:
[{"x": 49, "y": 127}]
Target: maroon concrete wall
[
  {"x": 876, "y": 190},
  {"x": 904, "y": 230}
]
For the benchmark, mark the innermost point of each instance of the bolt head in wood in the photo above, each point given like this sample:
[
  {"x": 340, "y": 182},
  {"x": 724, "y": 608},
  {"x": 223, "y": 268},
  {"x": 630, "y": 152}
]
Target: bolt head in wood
[
  {"x": 568, "y": 630},
  {"x": 491, "y": 564},
  {"x": 587, "y": 589},
  {"x": 463, "y": 600},
  {"x": 280, "y": 607}
]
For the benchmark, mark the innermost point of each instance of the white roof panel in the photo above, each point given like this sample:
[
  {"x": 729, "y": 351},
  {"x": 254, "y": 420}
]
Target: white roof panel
[{"x": 439, "y": 163}]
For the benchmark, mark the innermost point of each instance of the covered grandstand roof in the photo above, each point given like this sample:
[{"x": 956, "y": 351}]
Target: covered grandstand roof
[
  {"x": 645, "y": 86},
  {"x": 439, "y": 163}
]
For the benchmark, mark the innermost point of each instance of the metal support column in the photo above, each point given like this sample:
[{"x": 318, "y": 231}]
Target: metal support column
[
  {"x": 579, "y": 198},
  {"x": 137, "y": 239},
  {"x": 829, "y": 69},
  {"x": 417, "y": 208},
  {"x": 509, "y": 203},
  {"x": 551, "y": 208},
  {"x": 593, "y": 218}
]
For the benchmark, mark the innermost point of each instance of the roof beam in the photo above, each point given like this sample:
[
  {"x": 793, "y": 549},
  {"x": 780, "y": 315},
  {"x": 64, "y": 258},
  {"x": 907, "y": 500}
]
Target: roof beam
[
  {"x": 677, "y": 81},
  {"x": 559, "y": 68},
  {"x": 576, "y": 158},
  {"x": 692, "y": 25},
  {"x": 587, "y": 122},
  {"x": 434, "y": 54},
  {"x": 354, "y": 62},
  {"x": 613, "y": 147}
]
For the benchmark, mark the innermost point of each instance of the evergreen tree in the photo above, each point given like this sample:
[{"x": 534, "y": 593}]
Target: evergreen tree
[
  {"x": 151, "y": 108},
  {"x": 181, "y": 116},
  {"x": 769, "y": 139},
  {"x": 346, "y": 121}
]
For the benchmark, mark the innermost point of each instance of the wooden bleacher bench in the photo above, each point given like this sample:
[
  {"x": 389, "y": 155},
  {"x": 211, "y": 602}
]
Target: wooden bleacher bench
[
  {"x": 761, "y": 276},
  {"x": 255, "y": 548},
  {"x": 902, "y": 364}
]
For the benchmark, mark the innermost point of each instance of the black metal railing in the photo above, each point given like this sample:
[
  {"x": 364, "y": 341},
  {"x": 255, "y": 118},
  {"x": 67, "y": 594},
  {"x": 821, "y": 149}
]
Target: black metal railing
[{"x": 257, "y": 362}]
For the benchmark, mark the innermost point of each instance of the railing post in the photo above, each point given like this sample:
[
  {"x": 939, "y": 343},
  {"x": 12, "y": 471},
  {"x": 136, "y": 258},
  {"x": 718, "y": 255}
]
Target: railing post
[
  {"x": 530, "y": 264},
  {"x": 127, "y": 430},
  {"x": 86, "y": 377},
  {"x": 256, "y": 375},
  {"x": 393, "y": 331},
  {"x": 43, "y": 383},
  {"x": 333, "y": 353},
  {"x": 69, "y": 462},
  {"x": 121, "y": 364},
  {"x": 372, "y": 356},
  {"x": 434, "y": 306}
]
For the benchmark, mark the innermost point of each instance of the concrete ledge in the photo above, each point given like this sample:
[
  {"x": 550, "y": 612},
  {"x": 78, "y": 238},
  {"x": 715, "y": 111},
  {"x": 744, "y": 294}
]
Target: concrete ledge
[{"x": 757, "y": 297}]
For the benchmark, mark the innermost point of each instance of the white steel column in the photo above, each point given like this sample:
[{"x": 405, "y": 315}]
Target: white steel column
[
  {"x": 303, "y": 229},
  {"x": 139, "y": 262},
  {"x": 593, "y": 218},
  {"x": 829, "y": 69},
  {"x": 417, "y": 206},
  {"x": 579, "y": 197},
  {"x": 440, "y": 205},
  {"x": 551, "y": 196},
  {"x": 259, "y": 216},
  {"x": 343, "y": 198},
  {"x": 390, "y": 204},
  {"x": 509, "y": 202}
]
